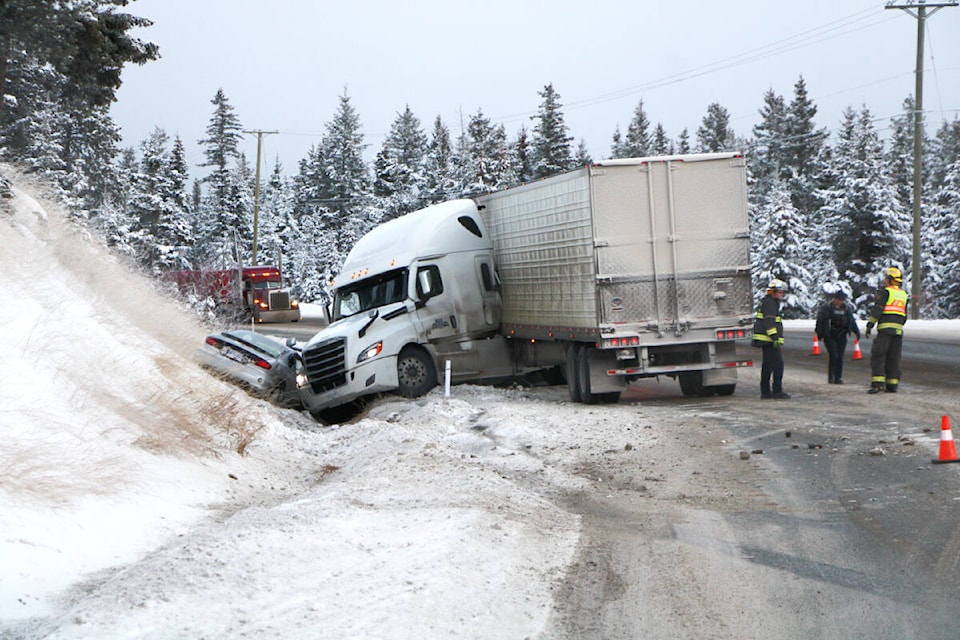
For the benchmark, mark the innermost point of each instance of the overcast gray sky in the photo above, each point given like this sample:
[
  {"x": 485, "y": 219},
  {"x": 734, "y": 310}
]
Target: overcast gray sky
[{"x": 284, "y": 64}]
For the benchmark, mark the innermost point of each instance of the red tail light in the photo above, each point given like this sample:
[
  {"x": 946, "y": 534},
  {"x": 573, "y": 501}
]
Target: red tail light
[
  {"x": 213, "y": 342},
  {"x": 263, "y": 364},
  {"x": 731, "y": 334}
]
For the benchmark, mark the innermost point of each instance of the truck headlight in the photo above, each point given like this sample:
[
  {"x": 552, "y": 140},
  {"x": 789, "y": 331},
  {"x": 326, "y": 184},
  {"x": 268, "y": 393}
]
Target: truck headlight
[{"x": 370, "y": 352}]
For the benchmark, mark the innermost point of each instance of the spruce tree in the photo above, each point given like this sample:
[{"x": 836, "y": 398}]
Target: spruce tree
[
  {"x": 779, "y": 247},
  {"x": 550, "y": 145},
  {"x": 943, "y": 242},
  {"x": 485, "y": 161},
  {"x": 219, "y": 224},
  {"x": 769, "y": 162},
  {"x": 661, "y": 145},
  {"x": 803, "y": 151},
  {"x": 637, "y": 142},
  {"x": 714, "y": 133},
  {"x": 867, "y": 226},
  {"x": 400, "y": 184},
  {"x": 438, "y": 165},
  {"x": 522, "y": 169}
]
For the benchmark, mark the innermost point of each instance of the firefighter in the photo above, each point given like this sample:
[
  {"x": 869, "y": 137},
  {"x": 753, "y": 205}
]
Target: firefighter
[
  {"x": 768, "y": 335},
  {"x": 835, "y": 322},
  {"x": 889, "y": 313}
]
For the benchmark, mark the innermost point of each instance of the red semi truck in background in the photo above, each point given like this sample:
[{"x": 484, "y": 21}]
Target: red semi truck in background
[{"x": 256, "y": 290}]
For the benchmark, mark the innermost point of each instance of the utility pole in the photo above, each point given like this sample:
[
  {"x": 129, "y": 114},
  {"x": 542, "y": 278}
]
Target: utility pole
[
  {"x": 921, "y": 14},
  {"x": 256, "y": 190}
]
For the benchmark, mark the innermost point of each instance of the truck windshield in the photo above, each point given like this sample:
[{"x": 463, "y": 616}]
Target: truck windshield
[
  {"x": 267, "y": 284},
  {"x": 370, "y": 293}
]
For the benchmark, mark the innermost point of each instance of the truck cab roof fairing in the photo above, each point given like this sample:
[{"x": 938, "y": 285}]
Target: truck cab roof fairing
[{"x": 433, "y": 231}]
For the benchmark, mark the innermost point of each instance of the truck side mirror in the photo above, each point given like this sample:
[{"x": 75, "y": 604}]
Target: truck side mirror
[
  {"x": 429, "y": 284},
  {"x": 425, "y": 283}
]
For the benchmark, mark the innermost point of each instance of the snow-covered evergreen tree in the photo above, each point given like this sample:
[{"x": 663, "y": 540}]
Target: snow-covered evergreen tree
[
  {"x": 219, "y": 222},
  {"x": 867, "y": 226},
  {"x": 661, "y": 144},
  {"x": 714, "y": 133},
  {"x": 438, "y": 166},
  {"x": 550, "y": 145},
  {"x": 485, "y": 160},
  {"x": 581, "y": 156},
  {"x": 803, "y": 149},
  {"x": 333, "y": 203},
  {"x": 779, "y": 248},
  {"x": 768, "y": 162},
  {"x": 637, "y": 142},
  {"x": 683, "y": 142},
  {"x": 159, "y": 225},
  {"x": 522, "y": 169},
  {"x": 400, "y": 184}
]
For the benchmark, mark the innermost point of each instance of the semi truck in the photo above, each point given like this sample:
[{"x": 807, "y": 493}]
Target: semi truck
[
  {"x": 619, "y": 270},
  {"x": 255, "y": 291}
]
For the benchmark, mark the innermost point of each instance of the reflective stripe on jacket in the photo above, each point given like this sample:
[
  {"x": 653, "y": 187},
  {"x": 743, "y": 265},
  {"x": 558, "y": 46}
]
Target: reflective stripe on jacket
[
  {"x": 768, "y": 326},
  {"x": 890, "y": 311}
]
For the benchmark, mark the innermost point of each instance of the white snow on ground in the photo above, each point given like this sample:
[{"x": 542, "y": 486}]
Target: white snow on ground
[{"x": 143, "y": 498}]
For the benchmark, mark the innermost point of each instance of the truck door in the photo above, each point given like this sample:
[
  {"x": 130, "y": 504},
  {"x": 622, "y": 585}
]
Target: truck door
[{"x": 436, "y": 315}]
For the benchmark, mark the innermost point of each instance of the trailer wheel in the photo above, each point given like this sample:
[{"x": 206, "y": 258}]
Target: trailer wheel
[
  {"x": 723, "y": 389},
  {"x": 573, "y": 372},
  {"x": 691, "y": 384},
  {"x": 415, "y": 373}
]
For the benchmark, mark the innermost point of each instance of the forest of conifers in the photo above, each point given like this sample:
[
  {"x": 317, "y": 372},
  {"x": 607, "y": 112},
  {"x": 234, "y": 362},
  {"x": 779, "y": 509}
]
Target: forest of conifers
[{"x": 827, "y": 210}]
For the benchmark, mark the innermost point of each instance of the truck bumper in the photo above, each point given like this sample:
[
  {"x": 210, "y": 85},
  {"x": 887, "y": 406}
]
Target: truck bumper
[
  {"x": 278, "y": 315},
  {"x": 376, "y": 376}
]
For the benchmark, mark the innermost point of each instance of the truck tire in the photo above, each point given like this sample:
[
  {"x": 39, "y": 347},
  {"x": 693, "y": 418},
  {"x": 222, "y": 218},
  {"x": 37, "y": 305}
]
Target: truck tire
[
  {"x": 573, "y": 372},
  {"x": 415, "y": 373},
  {"x": 691, "y": 384},
  {"x": 723, "y": 389},
  {"x": 583, "y": 375}
]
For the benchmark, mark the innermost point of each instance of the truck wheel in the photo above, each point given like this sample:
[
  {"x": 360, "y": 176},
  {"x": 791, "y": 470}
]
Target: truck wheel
[
  {"x": 691, "y": 384},
  {"x": 573, "y": 372},
  {"x": 723, "y": 389},
  {"x": 415, "y": 373}
]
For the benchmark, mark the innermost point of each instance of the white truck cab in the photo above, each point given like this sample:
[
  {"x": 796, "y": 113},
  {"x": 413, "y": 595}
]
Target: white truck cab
[{"x": 414, "y": 292}]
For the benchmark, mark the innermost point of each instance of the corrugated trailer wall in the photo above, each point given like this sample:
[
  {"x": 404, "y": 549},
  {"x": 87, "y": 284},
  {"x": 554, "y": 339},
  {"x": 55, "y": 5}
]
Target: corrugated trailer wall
[{"x": 543, "y": 239}]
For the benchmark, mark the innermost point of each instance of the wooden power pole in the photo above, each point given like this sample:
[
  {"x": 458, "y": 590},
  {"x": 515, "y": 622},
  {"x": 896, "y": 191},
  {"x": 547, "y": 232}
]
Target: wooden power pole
[
  {"x": 256, "y": 191},
  {"x": 921, "y": 11}
]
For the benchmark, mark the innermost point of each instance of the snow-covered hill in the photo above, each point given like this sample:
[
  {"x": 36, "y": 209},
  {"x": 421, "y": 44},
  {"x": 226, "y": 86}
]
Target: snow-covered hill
[{"x": 127, "y": 509}]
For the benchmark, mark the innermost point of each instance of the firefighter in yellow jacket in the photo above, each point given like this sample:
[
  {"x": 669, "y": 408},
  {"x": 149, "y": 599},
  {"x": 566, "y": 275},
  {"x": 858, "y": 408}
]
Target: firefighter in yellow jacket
[{"x": 889, "y": 314}]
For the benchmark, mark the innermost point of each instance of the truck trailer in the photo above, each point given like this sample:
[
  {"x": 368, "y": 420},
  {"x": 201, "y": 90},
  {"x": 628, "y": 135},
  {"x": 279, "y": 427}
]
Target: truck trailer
[{"x": 620, "y": 270}]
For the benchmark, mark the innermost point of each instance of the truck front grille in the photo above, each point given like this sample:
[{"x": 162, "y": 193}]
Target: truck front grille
[
  {"x": 325, "y": 364},
  {"x": 279, "y": 300}
]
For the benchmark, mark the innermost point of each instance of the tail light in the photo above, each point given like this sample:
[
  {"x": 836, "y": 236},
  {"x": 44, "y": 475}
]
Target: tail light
[
  {"x": 731, "y": 334},
  {"x": 263, "y": 364},
  {"x": 626, "y": 341},
  {"x": 213, "y": 342}
]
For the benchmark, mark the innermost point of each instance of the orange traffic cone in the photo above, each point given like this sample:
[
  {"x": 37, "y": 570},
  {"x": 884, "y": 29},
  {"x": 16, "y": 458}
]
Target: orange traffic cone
[
  {"x": 857, "y": 354},
  {"x": 816, "y": 346},
  {"x": 948, "y": 451}
]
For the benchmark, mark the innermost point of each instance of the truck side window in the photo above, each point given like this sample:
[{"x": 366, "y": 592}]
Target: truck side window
[
  {"x": 470, "y": 225},
  {"x": 432, "y": 274}
]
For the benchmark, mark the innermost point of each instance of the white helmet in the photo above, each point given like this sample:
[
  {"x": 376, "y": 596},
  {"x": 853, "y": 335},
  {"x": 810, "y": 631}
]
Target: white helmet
[{"x": 777, "y": 285}]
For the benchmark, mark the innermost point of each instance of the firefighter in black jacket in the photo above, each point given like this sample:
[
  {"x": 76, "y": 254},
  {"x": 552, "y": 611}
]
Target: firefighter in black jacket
[
  {"x": 835, "y": 322},
  {"x": 889, "y": 314},
  {"x": 768, "y": 335}
]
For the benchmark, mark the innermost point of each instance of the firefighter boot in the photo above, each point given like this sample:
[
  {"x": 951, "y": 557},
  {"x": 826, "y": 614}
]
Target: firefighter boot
[
  {"x": 875, "y": 387},
  {"x": 891, "y": 387}
]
